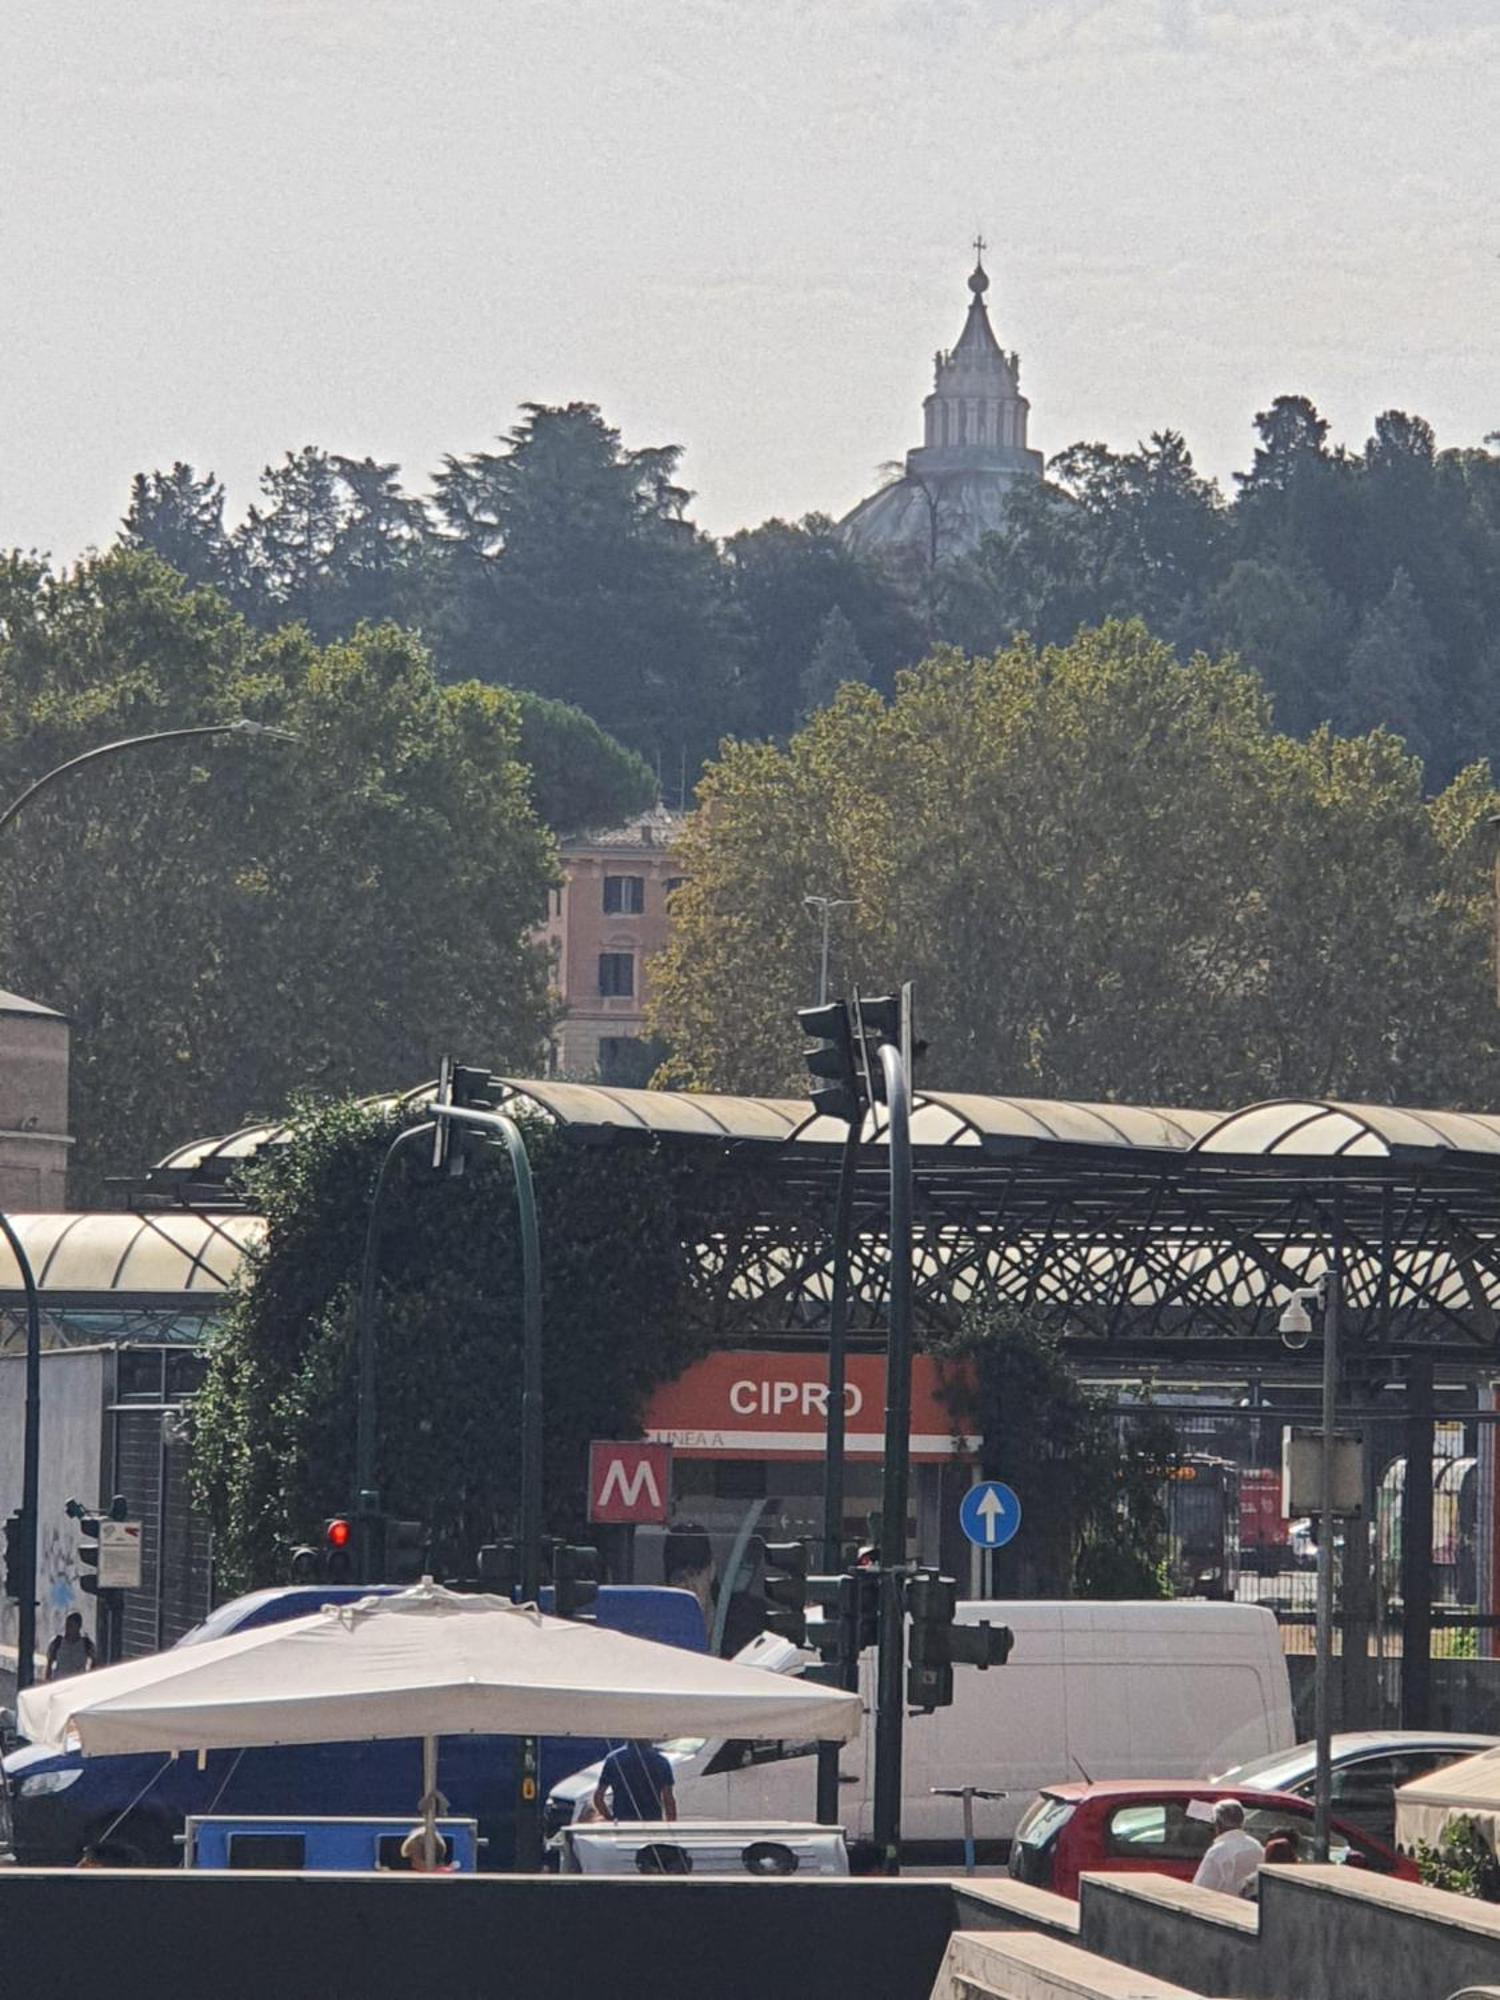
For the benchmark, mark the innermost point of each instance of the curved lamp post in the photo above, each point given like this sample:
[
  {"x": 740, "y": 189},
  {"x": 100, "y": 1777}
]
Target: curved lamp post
[
  {"x": 30, "y": 1462},
  {"x": 31, "y": 1445},
  {"x": 241, "y": 726}
]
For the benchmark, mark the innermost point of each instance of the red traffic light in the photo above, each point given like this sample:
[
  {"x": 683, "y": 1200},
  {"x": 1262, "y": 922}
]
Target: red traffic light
[{"x": 338, "y": 1534}]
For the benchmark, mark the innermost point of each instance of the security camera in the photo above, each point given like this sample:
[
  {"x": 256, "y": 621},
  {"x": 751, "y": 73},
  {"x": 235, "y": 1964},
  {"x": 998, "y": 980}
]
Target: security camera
[{"x": 1296, "y": 1323}]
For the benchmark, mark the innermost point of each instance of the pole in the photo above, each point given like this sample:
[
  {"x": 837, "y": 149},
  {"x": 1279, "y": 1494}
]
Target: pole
[
  {"x": 890, "y": 1691},
  {"x": 1416, "y": 1548},
  {"x": 833, "y": 1460},
  {"x": 366, "y": 1493},
  {"x": 31, "y": 1459},
  {"x": 529, "y": 1797},
  {"x": 1323, "y": 1665}
]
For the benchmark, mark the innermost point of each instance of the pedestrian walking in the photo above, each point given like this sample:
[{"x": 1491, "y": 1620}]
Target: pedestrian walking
[
  {"x": 635, "y": 1783},
  {"x": 1230, "y": 1863},
  {"x": 72, "y": 1651}
]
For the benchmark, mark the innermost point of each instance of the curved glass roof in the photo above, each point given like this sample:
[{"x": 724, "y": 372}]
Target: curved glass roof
[
  {"x": 1312, "y": 1128},
  {"x": 939, "y": 1119},
  {"x": 156, "y": 1255}
]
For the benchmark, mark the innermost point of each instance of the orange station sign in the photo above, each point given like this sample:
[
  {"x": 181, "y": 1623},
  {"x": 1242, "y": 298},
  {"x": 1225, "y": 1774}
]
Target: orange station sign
[{"x": 773, "y": 1406}]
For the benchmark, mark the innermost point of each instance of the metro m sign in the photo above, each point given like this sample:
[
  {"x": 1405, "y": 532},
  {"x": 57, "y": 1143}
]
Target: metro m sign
[{"x": 629, "y": 1482}]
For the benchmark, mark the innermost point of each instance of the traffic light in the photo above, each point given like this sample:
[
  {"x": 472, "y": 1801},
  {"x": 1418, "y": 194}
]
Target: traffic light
[
  {"x": 88, "y": 1554},
  {"x": 338, "y": 1550},
  {"x": 850, "y": 1605},
  {"x": 785, "y": 1590},
  {"x": 466, "y": 1086},
  {"x": 403, "y": 1551},
  {"x": 575, "y": 1579},
  {"x": 880, "y": 1021},
  {"x": 833, "y": 1062},
  {"x": 497, "y": 1572},
  {"x": 938, "y": 1643},
  {"x": 304, "y": 1565},
  {"x": 14, "y": 1561}
]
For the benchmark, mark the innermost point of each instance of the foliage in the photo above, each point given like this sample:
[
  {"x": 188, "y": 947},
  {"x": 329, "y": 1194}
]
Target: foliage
[
  {"x": 1363, "y": 587},
  {"x": 274, "y": 1426},
  {"x": 232, "y": 920},
  {"x": 572, "y": 570},
  {"x": 1462, "y": 1862},
  {"x": 581, "y": 780},
  {"x": 1096, "y": 1517},
  {"x": 1108, "y": 877}
]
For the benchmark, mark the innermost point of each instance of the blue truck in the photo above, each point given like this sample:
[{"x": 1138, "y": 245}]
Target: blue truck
[{"x": 130, "y": 1811}]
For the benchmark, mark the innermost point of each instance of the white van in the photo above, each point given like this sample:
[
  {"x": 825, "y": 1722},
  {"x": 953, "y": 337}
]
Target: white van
[{"x": 1095, "y": 1690}]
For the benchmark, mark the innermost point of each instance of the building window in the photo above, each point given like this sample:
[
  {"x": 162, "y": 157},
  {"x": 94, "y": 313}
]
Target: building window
[
  {"x": 624, "y": 895},
  {"x": 556, "y": 895},
  {"x": 674, "y": 883},
  {"x": 617, "y": 974}
]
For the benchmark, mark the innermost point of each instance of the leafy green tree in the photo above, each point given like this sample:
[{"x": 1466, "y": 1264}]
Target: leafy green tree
[
  {"x": 180, "y": 517},
  {"x": 581, "y": 780},
  {"x": 574, "y": 572},
  {"x": 786, "y": 580},
  {"x": 226, "y": 923},
  {"x": 1391, "y": 675},
  {"x": 273, "y": 1446},
  {"x": 1109, "y": 878},
  {"x": 835, "y": 659}
]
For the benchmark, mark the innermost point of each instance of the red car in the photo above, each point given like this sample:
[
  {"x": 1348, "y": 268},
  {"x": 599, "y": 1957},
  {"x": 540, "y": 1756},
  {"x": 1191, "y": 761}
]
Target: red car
[{"x": 1137, "y": 1824}]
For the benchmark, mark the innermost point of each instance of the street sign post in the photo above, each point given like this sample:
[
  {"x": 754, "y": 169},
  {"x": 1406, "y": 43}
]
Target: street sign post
[
  {"x": 629, "y": 1482},
  {"x": 990, "y": 1514},
  {"x": 119, "y": 1555}
]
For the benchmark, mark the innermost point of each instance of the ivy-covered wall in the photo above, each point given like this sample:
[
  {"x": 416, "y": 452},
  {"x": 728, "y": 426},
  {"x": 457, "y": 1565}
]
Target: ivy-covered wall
[{"x": 274, "y": 1425}]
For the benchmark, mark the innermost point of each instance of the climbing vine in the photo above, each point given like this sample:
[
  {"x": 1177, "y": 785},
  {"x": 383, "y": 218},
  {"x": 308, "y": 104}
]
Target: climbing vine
[{"x": 273, "y": 1445}]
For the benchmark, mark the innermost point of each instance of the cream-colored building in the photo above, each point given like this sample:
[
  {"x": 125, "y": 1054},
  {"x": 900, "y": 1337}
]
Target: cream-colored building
[
  {"x": 34, "y": 1139},
  {"x": 604, "y": 924}
]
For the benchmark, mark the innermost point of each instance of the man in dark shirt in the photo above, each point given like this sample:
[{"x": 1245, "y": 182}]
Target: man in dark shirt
[{"x": 635, "y": 1782}]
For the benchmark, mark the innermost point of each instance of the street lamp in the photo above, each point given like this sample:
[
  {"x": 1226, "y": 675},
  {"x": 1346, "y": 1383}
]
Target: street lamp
[
  {"x": 30, "y": 1462},
  {"x": 827, "y": 904},
  {"x": 31, "y": 1435},
  {"x": 242, "y": 725},
  {"x": 1295, "y": 1327}
]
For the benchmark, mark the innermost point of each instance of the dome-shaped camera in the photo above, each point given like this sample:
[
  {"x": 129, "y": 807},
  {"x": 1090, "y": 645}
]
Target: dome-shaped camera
[{"x": 1296, "y": 1322}]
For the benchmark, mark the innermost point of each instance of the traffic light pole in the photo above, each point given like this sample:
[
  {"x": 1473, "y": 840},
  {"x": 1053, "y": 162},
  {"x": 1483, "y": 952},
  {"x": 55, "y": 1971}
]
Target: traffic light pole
[
  {"x": 833, "y": 1462},
  {"x": 890, "y": 1689},
  {"x": 31, "y": 1459},
  {"x": 366, "y": 1494},
  {"x": 529, "y": 1799}
]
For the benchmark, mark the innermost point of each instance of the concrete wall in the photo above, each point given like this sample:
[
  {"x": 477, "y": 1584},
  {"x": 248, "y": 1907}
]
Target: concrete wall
[
  {"x": 1319, "y": 1931},
  {"x": 74, "y": 1385},
  {"x": 563, "y": 1938}
]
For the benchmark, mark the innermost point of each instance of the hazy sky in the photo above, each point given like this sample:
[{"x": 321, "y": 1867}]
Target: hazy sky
[{"x": 738, "y": 225}]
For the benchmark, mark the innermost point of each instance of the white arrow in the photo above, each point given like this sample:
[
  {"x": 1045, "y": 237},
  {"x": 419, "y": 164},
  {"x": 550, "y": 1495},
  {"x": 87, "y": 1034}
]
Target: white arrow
[{"x": 991, "y": 1512}]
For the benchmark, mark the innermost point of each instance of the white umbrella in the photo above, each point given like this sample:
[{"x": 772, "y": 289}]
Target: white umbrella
[
  {"x": 425, "y": 1662},
  {"x": 1470, "y": 1788}
]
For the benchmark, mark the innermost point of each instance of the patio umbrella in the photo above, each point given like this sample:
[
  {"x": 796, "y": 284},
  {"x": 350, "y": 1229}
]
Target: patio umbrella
[{"x": 425, "y": 1662}]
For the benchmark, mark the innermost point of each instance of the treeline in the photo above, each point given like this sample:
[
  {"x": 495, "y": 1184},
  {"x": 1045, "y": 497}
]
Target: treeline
[
  {"x": 560, "y": 563},
  {"x": 1362, "y": 586}
]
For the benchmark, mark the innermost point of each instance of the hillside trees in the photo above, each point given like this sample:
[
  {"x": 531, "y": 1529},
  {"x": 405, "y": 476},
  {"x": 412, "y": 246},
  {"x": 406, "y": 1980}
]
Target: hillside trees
[
  {"x": 228, "y": 922},
  {"x": 1109, "y": 877}
]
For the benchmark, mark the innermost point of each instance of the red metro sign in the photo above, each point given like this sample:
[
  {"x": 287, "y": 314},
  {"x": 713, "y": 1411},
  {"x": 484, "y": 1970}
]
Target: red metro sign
[
  {"x": 629, "y": 1482},
  {"x": 774, "y": 1406}
]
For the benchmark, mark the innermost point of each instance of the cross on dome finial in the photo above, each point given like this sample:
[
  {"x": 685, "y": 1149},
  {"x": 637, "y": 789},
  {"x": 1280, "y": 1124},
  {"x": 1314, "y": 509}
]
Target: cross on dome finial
[{"x": 979, "y": 282}]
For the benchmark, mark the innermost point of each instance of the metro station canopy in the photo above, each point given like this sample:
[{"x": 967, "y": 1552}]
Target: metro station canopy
[{"x": 1141, "y": 1227}]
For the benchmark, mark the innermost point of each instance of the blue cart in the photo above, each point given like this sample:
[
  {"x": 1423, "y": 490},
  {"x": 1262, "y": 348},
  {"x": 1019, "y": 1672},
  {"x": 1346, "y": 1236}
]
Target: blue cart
[{"x": 347, "y": 1845}]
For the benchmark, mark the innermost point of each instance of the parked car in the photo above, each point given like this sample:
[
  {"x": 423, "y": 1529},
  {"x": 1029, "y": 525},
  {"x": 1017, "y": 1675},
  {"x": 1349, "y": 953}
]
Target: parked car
[
  {"x": 131, "y": 1810},
  {"x": 1139, "y": 1825},
  {"x": 1368, "y": 1766},
  {"x": 1115, "y": 1689}
]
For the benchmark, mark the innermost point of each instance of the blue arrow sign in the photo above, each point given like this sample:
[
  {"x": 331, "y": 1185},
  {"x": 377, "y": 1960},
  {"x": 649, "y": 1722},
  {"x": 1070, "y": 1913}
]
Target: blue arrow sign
[{"x": 990, "y": 1514}]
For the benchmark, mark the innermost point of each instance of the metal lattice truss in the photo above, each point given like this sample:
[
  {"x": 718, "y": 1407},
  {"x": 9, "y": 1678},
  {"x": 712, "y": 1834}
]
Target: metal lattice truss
[{"x": 1129, "y": 1226}]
